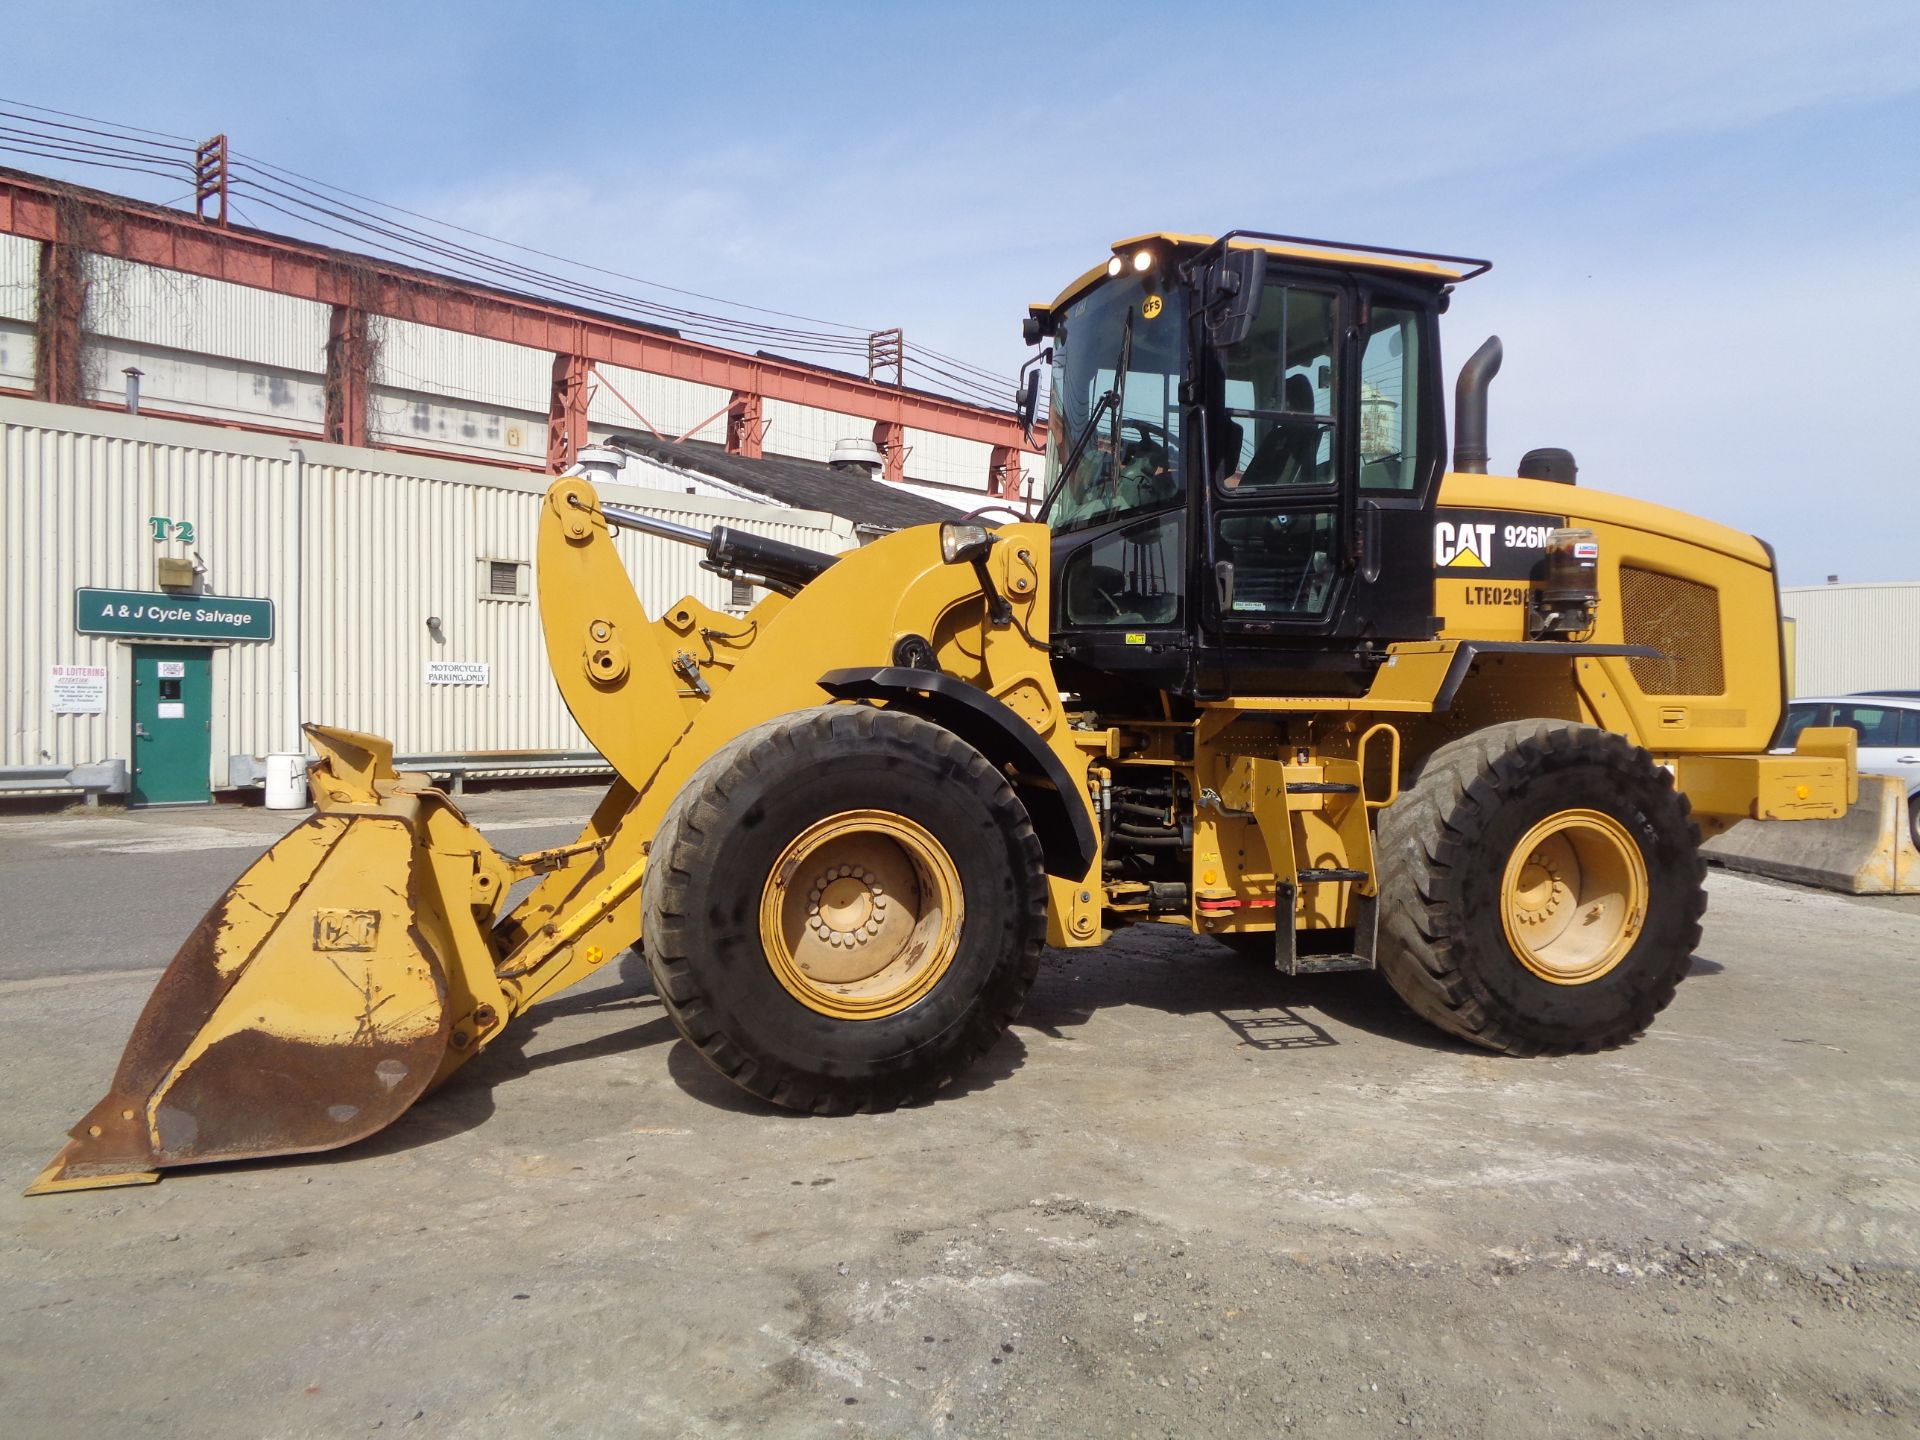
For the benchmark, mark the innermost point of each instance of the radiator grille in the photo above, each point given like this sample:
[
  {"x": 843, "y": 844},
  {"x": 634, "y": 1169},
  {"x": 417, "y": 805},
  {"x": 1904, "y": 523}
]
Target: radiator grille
[{"x": 1679, "y": 618}]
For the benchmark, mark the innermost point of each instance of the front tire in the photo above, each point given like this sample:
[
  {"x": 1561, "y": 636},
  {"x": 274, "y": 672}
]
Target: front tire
[
  {"x": 1541, "y": 889},
  {"x": 844, "y": 908}
]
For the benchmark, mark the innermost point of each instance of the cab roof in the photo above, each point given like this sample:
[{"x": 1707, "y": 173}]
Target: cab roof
[{"x": 1414, "y": 264}]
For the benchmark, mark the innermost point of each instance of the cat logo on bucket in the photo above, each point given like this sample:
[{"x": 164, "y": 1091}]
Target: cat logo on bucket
[{"x": 1463, "y": 546}]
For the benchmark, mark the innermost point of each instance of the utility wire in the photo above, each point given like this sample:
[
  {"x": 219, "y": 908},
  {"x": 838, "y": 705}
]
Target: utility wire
[
  {"x": 317, "y": 203},
  {"x": 465, "y": 254},
  {"x": 47, "y": 110},
  {"x": 548, "y": 255}
]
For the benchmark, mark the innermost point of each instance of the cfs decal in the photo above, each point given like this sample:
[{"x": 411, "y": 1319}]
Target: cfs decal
[
  {"x": 1490, "y": 544},
  {"x": 1150, "y": 307}
]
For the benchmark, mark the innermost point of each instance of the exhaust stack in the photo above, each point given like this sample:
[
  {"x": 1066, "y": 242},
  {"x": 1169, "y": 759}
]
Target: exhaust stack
[{"x": 1470, "y": 408}]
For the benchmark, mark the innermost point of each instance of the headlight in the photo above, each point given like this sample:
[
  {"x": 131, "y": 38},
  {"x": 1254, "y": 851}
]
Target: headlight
[{"x": 962, "y": 542}]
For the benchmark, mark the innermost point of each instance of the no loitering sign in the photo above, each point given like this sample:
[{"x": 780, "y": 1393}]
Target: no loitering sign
[
  {"x": 174, "y": 617},
  {"x": 77, "y": 689}
]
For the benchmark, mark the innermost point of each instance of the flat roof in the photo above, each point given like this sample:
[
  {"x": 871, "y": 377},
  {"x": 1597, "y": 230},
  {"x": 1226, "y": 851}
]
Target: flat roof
[{"x": 1444, "y": 269}]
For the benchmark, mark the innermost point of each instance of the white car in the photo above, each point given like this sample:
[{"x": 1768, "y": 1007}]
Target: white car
[{"x": 1888, "y": 725}]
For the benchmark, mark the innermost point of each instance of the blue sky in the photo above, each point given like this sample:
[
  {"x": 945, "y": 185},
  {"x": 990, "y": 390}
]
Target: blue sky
[{"x": 1705, "y": 218}]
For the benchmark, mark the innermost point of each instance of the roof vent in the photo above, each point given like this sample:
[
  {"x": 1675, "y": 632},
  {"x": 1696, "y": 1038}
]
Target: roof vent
[
  {"x": 600, "y": 464},
  {"x": 856, "y": 455}
]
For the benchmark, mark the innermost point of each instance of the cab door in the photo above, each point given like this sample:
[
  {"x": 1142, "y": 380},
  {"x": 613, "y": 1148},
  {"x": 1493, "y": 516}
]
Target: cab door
[
  {"x": 1322, "y": 457},
  {"x": 1277, "y": 518}
]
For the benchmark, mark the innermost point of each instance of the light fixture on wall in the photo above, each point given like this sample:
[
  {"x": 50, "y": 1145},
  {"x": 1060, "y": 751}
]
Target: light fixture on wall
[{"x": 433, "y": 628}]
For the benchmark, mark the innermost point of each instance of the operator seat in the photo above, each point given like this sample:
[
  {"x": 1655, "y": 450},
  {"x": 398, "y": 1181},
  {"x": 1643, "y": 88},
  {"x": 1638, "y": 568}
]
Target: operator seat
[
  {"x": 1228, "y": 439},
  {"x": 1289, "y": 455}
]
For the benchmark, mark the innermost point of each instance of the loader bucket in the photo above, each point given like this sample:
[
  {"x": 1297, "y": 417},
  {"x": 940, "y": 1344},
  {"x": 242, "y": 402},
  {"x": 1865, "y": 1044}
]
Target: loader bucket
[{"x": 307, "y": 1010}]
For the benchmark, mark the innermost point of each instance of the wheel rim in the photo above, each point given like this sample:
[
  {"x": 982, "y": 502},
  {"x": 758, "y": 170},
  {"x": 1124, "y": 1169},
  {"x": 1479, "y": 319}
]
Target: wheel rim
[
  {"x": 860, "y": 916},
  {"x": 1574, "y": 896}
]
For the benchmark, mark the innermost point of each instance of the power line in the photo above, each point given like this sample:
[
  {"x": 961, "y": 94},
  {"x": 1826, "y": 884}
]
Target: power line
[
  {"x": 407, "y": 235},
  {"x": 282, "y": 192},
  {"x": 544, "y": 254},
  {"x": 47, "y": 110}
]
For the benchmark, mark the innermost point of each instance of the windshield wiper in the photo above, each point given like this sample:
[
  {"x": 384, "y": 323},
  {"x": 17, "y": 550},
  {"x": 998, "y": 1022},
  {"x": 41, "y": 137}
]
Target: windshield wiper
[{"x": 1109, "y": 401}]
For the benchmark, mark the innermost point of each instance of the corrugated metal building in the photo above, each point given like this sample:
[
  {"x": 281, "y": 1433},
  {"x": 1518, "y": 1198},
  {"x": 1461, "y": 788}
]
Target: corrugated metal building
[
  {"x": 1854, "y": 637},
  {"x": 380, "y": 567},
  {"x": 233, "y": 354}
]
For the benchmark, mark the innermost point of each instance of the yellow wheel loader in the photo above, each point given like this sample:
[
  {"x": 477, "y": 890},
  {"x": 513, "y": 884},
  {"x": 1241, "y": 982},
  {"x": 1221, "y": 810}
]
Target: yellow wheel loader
[{"x": 1264, "y": 667}]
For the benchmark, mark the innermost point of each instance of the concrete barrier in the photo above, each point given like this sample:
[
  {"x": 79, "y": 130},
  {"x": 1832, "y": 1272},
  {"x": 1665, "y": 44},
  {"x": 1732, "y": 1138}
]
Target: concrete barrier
[{"x": 1868, "y": 851}]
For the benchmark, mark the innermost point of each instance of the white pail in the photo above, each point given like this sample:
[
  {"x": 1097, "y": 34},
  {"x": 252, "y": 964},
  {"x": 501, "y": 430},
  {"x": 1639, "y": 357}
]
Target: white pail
[{"x": 286, "y": 782}]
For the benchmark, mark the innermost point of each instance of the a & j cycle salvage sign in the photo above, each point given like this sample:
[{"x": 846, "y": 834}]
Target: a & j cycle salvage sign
[{"x": 174, "y": 617}]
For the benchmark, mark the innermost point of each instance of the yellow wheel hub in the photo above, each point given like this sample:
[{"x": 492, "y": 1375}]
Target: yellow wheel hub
[
  {"x": 860, "y": 915},
  {"x": 1574, "y": 896}
]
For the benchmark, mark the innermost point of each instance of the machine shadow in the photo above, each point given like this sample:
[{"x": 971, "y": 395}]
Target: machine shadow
[
  {"x": 466, "y": 1100},
  {"x": 1184, "y": 974},
  {"x": 1174, "y": 972}
]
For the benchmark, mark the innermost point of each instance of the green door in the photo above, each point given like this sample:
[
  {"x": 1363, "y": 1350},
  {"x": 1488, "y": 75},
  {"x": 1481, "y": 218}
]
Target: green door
[{"x": 172, "y": 724}]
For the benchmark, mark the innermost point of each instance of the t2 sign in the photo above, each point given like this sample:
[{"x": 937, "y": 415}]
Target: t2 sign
[{"x": 166, "y": 529}]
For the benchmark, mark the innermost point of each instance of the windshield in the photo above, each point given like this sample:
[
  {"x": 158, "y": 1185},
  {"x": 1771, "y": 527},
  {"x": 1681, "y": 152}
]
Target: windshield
[{"x": 1130, "y": 463}]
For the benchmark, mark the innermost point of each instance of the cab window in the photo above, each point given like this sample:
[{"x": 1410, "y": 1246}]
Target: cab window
[
  {"x": 1128, "y": 577},
  {"x": 1130, "y": 459},
  {"x": 1390, "y": 401},
  {"x": 1279, "y": 391}
]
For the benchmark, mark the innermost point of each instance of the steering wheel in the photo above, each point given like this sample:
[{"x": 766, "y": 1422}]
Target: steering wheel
[{"x": 1151, "y": 435}]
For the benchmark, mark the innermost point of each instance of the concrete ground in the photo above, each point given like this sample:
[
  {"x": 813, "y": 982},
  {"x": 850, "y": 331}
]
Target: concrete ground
[{"x": 1184, "y": 1196}]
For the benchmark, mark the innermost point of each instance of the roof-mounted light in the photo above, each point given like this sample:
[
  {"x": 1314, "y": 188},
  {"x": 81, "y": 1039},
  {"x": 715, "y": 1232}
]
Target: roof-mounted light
[
  {"x": 1142, "y": 261},
  {"x": 1113, "y": 266}
]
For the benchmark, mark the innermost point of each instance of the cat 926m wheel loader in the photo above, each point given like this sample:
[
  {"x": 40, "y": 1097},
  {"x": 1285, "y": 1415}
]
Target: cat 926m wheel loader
[{"x": 1265, "y": 667}]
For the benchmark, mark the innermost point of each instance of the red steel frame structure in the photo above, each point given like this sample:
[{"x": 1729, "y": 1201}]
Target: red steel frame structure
[{"x": 62, "y": 216}]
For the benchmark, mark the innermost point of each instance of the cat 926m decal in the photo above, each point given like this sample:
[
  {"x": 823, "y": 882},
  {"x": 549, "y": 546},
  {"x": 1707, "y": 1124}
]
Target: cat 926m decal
[{"x": 1490, "y": 544}]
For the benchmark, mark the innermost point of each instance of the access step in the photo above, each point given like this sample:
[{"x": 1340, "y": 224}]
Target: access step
[
  {"x": 1329, "y": 964},
  {"x": 1327, "y": 876}
]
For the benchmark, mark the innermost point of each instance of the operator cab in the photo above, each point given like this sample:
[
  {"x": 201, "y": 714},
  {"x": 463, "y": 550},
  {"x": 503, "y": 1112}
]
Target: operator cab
[{"x": 1244, "y": 443}]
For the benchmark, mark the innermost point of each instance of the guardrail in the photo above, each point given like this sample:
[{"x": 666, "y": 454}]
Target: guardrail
[
  {"x": 103, "y": 777},
  {"x": 246, "y": 771}
]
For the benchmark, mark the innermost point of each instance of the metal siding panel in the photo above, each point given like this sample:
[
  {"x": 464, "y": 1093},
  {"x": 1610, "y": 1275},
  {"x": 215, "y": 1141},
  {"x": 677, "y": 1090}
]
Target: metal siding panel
[
  {"x": 177, "y": 382},
  {"x": 807, "y": 432},
  {"x": 421, "y": 421},
  {"x": 386, "y": 547},
  {"x": 16, "y": 354},
  {"x": 671, "y": 407},
  {"x": 945, "y": 460},
  {"x": 75, "y": 511},
  {"x": 196, "y": 316},
  {"x": 19, "y": 278},
  {"x": 462, "y": 394},
  {"x": 1855, "y": 637},
  {"x": 426, "y": 361}
]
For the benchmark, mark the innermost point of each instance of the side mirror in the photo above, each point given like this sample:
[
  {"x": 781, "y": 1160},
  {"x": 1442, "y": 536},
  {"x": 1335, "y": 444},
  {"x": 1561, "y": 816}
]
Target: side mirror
[
  {"x": 1234, "y": 283},
  {"x": 1026, "y": 400}
]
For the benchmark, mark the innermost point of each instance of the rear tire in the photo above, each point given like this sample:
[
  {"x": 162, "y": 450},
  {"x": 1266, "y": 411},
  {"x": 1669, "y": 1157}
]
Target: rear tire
[
  {"x": 1541, "y": 889},
  {"x": 844, "y": 908}
]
